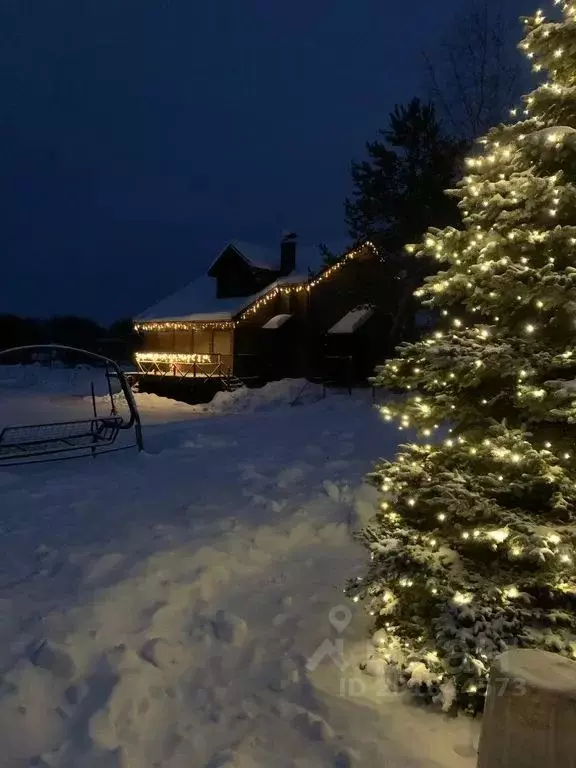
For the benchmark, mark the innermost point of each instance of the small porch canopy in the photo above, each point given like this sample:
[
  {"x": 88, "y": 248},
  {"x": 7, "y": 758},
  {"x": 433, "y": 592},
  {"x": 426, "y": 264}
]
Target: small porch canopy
[
  {"x": 353, "y": 320},
  {"x": 276, "y": 322}
]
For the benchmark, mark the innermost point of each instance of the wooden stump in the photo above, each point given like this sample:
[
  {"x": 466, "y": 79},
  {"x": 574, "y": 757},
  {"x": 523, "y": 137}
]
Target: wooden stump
[{"x": 530, "y": 715}]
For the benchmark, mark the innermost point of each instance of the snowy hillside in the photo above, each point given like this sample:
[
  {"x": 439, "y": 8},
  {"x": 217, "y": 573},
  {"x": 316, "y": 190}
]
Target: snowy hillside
[{"x": 171, "y": 608}]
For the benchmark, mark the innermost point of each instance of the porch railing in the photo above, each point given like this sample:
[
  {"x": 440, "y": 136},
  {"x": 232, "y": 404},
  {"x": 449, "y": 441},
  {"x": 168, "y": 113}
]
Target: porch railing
[{"x": 184, "y": 366}]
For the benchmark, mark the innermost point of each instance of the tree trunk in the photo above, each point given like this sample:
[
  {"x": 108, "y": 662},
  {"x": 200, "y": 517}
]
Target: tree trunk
[{"x": 530, "y": 715}]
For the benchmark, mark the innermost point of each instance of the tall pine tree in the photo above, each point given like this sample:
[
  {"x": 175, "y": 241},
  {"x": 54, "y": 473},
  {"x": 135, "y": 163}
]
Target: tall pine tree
[
  {"x": 473, "y": 549},
  {"x": 399, "y": 190}
]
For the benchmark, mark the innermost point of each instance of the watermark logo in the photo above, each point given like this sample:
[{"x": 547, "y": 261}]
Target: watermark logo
[
  {"x": 363, "y": 670},
  {"x": 339, "y": 617}
]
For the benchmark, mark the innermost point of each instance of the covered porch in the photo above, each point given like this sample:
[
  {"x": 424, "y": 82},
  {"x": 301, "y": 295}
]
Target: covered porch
[{"x": 186, "y": 350}]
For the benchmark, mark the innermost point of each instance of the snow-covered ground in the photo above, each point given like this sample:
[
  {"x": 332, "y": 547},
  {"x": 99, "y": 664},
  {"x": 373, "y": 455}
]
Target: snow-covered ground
[{"x": 170, "y": 609}]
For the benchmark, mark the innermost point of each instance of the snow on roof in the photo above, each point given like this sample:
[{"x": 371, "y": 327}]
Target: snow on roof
[
  {"x": 197, "y": 302},
  {"x": 276, "y": 322},
  {"x": 353, "y": 320}
]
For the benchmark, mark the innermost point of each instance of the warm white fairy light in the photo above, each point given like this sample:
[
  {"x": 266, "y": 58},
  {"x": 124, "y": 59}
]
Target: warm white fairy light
[
  {"x": 499, "y": 535},
  {"x": 462, "y": 598},
  {"x": 289, "y": 288},
  {"x": 169, "y": 357},
  {"x": 493, "y": 256},
  {"x": 182, "y": 325}
]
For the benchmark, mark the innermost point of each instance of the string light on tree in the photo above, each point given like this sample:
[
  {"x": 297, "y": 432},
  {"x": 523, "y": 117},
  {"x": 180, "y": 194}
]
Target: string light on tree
[{"x": 486, "y": 535}]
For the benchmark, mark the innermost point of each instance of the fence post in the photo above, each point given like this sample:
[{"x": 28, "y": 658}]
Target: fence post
[{"x": 530, "y": 715}]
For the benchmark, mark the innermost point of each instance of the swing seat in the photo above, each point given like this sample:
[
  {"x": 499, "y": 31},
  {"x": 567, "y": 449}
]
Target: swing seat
[
  {"x": 88, "y": 436},
  {"x": 41, "y": 439}
]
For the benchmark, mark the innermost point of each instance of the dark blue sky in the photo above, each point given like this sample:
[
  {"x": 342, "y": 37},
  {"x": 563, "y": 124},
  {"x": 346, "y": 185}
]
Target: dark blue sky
[{"x": 138, "y": 136}]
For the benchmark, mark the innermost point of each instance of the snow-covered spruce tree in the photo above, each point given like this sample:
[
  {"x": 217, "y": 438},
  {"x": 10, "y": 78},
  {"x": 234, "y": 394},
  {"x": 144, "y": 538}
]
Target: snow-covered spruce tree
[{"x": 472, "y": 551}]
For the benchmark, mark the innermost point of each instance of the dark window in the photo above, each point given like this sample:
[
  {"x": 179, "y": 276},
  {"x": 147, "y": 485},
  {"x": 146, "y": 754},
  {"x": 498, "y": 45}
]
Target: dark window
[
  {"x": 202, "y": 342},
  {"x": 223, "y": 342},
  {"x": 183, "y": 342},
  {"x": 164, "y": 341}
]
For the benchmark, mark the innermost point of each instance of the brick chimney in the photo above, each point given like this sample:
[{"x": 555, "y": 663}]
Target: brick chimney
[{"x": 287, "y": 253}]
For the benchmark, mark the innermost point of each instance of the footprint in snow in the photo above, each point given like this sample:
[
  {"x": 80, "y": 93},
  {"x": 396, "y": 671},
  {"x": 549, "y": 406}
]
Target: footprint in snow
[
  {"x": 229, "y": 628},
  {"x": 54, "y": 660},
  {"x": 466, "y": 750},
  {"x": 313, "y": 727},
  {"x": 163, "y": 654}
]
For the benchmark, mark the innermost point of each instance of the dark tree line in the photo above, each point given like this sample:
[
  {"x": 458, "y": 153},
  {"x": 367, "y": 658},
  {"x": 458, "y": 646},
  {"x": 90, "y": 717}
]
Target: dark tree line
[{"x": 118, "y": 341}]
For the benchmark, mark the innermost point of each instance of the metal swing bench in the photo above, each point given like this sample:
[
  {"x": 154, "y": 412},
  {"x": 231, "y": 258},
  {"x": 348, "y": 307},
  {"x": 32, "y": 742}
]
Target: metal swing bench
[{"x": 30, "y": 443}]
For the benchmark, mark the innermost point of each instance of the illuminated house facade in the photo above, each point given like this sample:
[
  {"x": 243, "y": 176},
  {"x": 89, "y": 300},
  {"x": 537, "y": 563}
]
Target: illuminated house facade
[{"x": 266, "y": 313}]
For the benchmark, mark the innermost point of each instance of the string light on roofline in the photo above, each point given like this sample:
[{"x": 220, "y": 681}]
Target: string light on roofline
[
  {"x": 181, "y": 325},
  {"x": 269, "y": 295},
  {"x": 297, "y": 287}
]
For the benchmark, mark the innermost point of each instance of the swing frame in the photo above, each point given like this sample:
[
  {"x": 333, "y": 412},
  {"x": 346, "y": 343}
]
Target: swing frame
[{"x": 50, "y": 441}]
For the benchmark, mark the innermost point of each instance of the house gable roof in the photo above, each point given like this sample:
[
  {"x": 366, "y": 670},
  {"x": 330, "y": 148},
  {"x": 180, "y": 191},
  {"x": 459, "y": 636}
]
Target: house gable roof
[
  {"x": 200, "y": 297},
  {"x": 197, "y": 301},
  {"x": 309, "y": 258}
]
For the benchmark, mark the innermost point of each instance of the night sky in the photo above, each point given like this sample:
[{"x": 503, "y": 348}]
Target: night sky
[{"x": 138, "y": 136}]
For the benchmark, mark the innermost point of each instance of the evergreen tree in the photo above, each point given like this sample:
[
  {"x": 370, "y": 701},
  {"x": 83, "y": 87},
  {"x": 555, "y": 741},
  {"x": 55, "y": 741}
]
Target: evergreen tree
[
  {"x": 472, "y": 551},
  {"x": 399, "y": 190},
  {"x": 399, "y": 193}
]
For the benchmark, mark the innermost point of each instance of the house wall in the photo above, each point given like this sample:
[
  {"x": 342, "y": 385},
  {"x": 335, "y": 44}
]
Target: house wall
[
  {"x": 302, "y": 346},
  {"x": 271, "y": 354},
  {"x": 206, "y": 341},
  {"x": 364, "y": 280}
]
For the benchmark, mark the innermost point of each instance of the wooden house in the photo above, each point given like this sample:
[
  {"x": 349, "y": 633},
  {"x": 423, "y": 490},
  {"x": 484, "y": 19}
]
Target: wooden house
[{"x": 260, "y": 314}]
